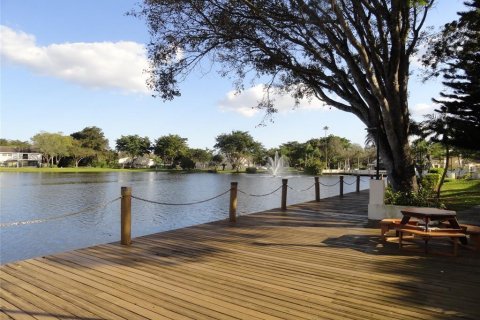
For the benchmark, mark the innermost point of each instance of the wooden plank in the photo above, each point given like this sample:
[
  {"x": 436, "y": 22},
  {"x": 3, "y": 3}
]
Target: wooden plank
[{"x": 316, "y": 260}]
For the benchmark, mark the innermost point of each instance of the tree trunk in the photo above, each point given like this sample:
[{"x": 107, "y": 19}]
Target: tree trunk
[{"x": 442, "y": 179}]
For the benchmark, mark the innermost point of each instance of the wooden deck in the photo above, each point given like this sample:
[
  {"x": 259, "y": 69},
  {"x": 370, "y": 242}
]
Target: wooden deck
[{"x": 316, "y": 261}]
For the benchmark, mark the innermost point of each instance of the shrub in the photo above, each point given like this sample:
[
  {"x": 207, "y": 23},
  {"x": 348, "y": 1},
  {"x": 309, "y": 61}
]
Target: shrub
[
  {"x": 187, "y": 163},
  {"x": 423, "y": 198},
  {"x": 437, "y": 171},
  {"x": 430, "y": 181},
  {"x": 313, "y": 167},
  {"x": 251, "y": 170}
]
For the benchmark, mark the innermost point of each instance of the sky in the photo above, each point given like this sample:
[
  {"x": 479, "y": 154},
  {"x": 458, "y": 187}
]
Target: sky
[{"x": 67, "y": 65}]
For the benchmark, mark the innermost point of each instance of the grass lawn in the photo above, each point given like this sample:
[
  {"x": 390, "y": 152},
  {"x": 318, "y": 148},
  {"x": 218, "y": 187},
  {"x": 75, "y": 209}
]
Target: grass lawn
[{"x": 460, "y": 194}]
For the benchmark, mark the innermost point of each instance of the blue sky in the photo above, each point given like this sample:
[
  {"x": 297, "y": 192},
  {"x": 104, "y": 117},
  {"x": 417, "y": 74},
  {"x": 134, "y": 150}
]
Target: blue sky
[{"x": 66, "y": 65}]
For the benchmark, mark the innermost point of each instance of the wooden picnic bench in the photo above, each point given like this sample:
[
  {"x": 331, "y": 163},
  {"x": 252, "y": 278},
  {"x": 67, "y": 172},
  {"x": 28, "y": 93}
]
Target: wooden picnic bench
[
  {"x": 453, "y": 234},
  {"x": 392, "y": 224},
  {"x": 473, "y": 232}
]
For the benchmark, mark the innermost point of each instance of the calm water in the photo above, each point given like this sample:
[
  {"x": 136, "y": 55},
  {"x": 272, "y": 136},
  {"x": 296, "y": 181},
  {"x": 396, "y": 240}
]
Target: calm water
[{"x": 38, "y": 196}]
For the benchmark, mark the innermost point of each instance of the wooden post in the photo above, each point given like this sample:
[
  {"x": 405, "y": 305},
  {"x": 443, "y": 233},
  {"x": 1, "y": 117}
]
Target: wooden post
[
  {"x": 126, "y": 216},
  {"x": 233, "y": 201},
  {"x": 317, "y": 189},
  {"x": 284, "y": 194},
  {"x": 358, "y": 183},
  {"x": 341, "y": 186}
]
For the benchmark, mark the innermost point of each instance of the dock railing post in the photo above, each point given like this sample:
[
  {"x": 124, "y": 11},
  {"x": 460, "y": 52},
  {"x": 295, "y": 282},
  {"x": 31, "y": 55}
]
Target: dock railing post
[
  {"x": 317, "y": 189},
  {"x": 126, "y": 216},
  {"x": 341, "y": 186},
  {"x": 233, "y": 201},
  {"x": 284, "y": 194},
  {"x": 358, "y": 183}
]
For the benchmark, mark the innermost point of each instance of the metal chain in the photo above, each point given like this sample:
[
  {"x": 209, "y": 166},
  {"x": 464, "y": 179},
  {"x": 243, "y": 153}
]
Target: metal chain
[
  {"x": 180, "y": 204},
  {"x": 260, "y": 195},
  {"x": 19, "y": 223}
]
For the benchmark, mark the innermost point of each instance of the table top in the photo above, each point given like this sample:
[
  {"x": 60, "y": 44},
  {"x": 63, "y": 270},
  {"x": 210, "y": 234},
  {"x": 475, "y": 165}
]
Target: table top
[{"x": 428, "y": 212}]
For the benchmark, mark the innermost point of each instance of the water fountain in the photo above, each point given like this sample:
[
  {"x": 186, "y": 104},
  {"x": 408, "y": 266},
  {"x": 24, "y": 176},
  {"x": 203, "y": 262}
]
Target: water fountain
[{"x": 276, "y": 165}]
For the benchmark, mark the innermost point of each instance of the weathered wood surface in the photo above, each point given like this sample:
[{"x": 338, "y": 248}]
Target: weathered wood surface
[{"x": 315, "y": 261}]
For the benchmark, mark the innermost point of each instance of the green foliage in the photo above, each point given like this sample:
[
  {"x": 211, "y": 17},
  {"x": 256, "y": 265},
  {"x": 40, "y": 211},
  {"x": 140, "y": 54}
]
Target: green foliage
[
  {"x": 200, "y": 155},
  {"x": 430, "y": 181},
  {"x": 171, "y": 148},
  {"x": 92, "y": 138},
  {"x": 251, "y": 170},
  {"x": 187, "y": 163},
  {"x": 313, "y": 167},
  {"x": 423, "y": 198},
  {"x": 454, "y": 55},
  {"x": 237, "y": 146},
  {"x": 133, "y": 145},
  {"x": 436, "y": 170},
  {"x": 15, "y": 143},
  {"x": 54, "y": 146}
]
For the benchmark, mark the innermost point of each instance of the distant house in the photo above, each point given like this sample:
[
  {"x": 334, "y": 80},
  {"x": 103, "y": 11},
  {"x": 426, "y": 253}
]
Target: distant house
[{"x": 19, "y": 157}]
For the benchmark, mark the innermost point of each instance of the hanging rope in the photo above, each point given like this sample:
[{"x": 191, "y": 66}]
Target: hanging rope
[
  {"x": 349, "y": 184},
  {"x": 330, "y": 185},
  {"x": 180, "y": 204},
  {"x": 303, "y": 190},
  {"x": 19, "y": 223},
  {"x": 260, "y": 195}
]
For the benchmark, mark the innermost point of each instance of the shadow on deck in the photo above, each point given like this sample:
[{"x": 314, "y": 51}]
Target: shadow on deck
[{"x": 314, "y": 261}]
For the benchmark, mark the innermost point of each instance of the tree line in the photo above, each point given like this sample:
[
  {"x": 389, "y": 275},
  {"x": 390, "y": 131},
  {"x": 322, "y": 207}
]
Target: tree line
[{"x": 237, "y": 149}]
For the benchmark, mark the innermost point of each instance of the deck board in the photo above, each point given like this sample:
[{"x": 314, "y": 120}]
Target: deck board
[{"x": 316, "y": 261}]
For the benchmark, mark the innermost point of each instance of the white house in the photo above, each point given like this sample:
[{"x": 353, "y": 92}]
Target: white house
[{"x": 19, "y": 157}]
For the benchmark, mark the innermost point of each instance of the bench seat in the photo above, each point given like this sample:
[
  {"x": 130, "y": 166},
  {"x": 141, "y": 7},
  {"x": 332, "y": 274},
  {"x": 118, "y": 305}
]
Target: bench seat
[
  {"x": 391, "y": 224},
  {"x": 473, "y": 232},
  {"x": 453, "y": 234}
]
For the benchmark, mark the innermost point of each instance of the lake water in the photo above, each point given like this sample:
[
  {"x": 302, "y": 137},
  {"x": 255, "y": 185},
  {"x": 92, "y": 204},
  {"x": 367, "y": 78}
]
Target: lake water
[{"x": 46, "y": 196}]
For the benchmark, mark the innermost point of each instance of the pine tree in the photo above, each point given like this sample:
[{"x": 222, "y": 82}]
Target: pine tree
[{"x": 459, "y": 51}]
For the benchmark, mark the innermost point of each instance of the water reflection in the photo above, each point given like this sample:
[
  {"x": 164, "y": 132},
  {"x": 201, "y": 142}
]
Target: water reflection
[{"x": 30, "y": 196}]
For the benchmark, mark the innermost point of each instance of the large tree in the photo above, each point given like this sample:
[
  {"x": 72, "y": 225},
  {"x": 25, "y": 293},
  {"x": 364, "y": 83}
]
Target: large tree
[
  {"x": 352, "y": 54},
  {"x": 92, "y": 138},
  {"x": 171, "y": 148},
  {"x": 237, "y": 147},
  {"x": 53, "y": 146},
  {"x": 455, "y": 54},
  {"x": 134, "y": 145}
]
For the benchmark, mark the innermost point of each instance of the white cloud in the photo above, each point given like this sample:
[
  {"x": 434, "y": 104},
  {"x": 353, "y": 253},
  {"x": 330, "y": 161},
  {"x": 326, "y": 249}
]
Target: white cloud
[
  {"x": 421, "y": 109},
  {"x": 118, "y": 65},
  {"x": 245, "y": 102}
]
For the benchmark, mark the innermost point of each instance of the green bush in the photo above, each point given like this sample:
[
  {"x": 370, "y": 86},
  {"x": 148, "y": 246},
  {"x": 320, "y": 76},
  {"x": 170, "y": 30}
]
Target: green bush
[
  {"x": 187, "y": 163},
  {"x": 251, "y": 170},
  {"x": 437, "y": 171},
  {"x": 423, "y": 198},
  {"x": 430, "y": 181},
  {"x": 313, "y": 167}
]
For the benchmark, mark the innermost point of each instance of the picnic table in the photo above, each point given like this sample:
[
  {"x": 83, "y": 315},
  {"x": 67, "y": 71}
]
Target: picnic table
[{"x": 432, "y": 214}]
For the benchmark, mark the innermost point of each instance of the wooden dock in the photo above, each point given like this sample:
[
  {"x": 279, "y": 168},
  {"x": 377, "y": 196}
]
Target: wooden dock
[{"x": 315, "y": 261}]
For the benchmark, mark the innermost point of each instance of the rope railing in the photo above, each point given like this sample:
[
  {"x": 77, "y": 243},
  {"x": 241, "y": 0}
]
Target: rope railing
[
  {"x": 302, "y": 190},
  {"x": 329, "y": 185},
  {"x": 349, "y": 183},
  {"x": 259, "y": 195},
  {"x": 127, "y": 196},
  {"x": 57, "y": 217},
  {"x": 181, "y": 204}
]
